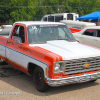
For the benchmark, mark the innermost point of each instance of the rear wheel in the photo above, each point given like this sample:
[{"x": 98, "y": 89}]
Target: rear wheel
[{"x": 39, "y": 80}]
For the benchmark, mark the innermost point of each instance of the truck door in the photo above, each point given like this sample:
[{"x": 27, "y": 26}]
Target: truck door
[{"x": 14, "y": 51}]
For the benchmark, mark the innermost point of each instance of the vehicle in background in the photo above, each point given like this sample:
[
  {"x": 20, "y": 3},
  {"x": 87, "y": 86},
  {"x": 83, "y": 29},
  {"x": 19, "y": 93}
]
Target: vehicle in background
[
  {"x": 77, "y": 26},
  {"x": 89, "y": 35},
  {"x": 5, "y": 30},
  {"x": 3, "y": 26},
  {"x": 60, "y": 16}
]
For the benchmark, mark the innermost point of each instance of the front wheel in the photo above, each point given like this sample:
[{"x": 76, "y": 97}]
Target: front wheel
[{"x": 39, "y": 79}]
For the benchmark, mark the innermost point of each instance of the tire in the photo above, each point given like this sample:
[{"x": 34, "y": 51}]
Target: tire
[{"x": 39, "y": 80}]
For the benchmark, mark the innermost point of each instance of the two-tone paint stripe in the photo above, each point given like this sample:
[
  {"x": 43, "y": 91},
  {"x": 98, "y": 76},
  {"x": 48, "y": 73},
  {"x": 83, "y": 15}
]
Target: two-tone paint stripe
[
  {"x": 25, "y": 55},
  {"x": 29, "y": 57},
  {"x": 54, "y": 55}
]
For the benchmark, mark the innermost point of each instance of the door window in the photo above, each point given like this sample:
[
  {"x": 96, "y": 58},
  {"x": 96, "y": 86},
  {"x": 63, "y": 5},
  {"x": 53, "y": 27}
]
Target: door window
[
  {"x": 98, "y": 33},
  {"x": 58, "y": 18},
  {"x": 50, "y": 18},
  {"x": 89, "y": 32},
  {"x": 19, "y": 34},
  {"x": 45, "y": 19}
]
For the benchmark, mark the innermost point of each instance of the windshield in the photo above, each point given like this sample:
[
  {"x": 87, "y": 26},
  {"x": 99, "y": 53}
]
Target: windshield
[{"x": 44, "y": 33}]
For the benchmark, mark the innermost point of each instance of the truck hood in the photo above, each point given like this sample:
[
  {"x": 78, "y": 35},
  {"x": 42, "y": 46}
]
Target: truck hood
[{"x": 69, "y": 50}]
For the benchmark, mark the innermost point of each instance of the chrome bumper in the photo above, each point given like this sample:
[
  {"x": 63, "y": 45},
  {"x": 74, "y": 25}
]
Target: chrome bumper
[{"x": 73, "y": 79}]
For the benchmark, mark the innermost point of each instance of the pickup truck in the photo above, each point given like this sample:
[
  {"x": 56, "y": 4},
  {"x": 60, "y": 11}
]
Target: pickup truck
[{"x": 49, "y": 53}]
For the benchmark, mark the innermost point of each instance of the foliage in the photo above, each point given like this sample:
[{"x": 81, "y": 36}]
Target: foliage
[
  {"x": 20, "y": 10},
  {"x": 4, "y": 11},
  {"x": 23, "y": 9}
]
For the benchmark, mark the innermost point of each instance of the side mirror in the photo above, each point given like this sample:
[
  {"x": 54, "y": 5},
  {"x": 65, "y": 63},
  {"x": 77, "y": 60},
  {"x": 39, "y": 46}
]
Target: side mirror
[{"x": 17, "y": 41}]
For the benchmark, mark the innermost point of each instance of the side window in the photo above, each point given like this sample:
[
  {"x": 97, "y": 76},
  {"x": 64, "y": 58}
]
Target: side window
[
  {"x": 98, "y": 33},
  {"x": 58, "y": 18},
  {"x": 89, "y": 32},
  {"x": 44, "y": 18},
  {"x": 50, "y": 18},
  {"x": 69, "y": 17},
  {"x": 19, "y": 34}
]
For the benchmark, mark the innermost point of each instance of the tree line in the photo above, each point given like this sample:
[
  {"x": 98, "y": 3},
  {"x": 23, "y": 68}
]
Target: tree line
[{"x": 26, "y": 10}]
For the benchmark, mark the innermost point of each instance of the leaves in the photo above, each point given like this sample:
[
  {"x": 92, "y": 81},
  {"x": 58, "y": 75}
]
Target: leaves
[
  {"x": 23, "y": 10},
  {"x": 20, "y": 10}
]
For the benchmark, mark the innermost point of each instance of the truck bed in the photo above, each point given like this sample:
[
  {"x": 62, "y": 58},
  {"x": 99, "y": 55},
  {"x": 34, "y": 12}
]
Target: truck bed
[
  {"x": 6, "y": 36},
  {"x": 5, "y": 32}
]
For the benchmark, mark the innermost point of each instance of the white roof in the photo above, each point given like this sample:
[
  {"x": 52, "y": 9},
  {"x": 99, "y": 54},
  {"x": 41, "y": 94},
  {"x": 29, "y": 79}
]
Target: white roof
[
  {"x": 27, "y": 23},
  {"x": 59, "y": 14},
  {"x": 93, "y": 27},
  {"x": 77, "y": 22}
]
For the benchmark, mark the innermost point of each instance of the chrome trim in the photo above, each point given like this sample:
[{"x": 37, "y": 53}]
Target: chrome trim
[
  {"x": 77, "y": 65},
  {"x": 73, "y": 79}
]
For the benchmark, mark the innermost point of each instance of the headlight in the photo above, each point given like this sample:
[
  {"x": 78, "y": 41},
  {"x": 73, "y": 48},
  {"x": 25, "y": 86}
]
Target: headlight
[{"x": 58, "y": 67}]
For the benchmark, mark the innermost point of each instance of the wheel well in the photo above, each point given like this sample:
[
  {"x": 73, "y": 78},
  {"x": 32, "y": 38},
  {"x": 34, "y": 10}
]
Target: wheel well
[{"x": 31, "y": 68}]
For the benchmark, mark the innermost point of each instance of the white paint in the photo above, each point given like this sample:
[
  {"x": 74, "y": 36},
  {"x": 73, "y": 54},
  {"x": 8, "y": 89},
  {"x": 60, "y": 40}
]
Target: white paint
[
  {"x": 14, "y": 56},
  {"x": 69, "y": 50},
  {"x": 23, "y": 60},
  {"x": 2, "y": 50}
]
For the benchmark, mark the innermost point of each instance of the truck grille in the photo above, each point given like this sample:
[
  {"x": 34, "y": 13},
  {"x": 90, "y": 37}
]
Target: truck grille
[{"x": 82, "y": 65}]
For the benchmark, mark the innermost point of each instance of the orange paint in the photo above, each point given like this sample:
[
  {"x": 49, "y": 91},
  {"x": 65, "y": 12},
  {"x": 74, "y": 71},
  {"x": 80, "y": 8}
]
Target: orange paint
[{"x": 74, "y": 30}]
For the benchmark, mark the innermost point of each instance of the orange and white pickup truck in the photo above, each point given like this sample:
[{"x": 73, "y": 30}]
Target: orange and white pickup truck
[{"x": 48, "y": 52}]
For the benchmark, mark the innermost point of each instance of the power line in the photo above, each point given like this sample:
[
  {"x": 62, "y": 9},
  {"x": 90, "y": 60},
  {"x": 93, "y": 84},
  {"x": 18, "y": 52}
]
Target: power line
[{"x": 12, "y": 6}]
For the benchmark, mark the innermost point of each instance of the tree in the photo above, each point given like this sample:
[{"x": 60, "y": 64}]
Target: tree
[
  {"x": 4, "y": 11},
  {"x": 22, "y": 10},
  {"x": 18, "y": 10}
]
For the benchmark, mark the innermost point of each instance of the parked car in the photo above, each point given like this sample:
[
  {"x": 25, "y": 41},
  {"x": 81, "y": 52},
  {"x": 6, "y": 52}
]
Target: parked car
[{"x": 89, "y": 35}]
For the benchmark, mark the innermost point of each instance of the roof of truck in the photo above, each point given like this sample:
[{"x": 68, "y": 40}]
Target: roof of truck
[{"x": 27, "y": 23}]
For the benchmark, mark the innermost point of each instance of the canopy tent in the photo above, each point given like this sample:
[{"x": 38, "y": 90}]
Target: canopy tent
[{"x": 93, "y": 15}]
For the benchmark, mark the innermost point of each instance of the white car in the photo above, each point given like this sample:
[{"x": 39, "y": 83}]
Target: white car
[{"x": 89, "y": 35}]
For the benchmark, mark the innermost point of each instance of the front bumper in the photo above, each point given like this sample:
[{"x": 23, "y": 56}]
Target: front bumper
[{"x": 73, "y": 79}]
